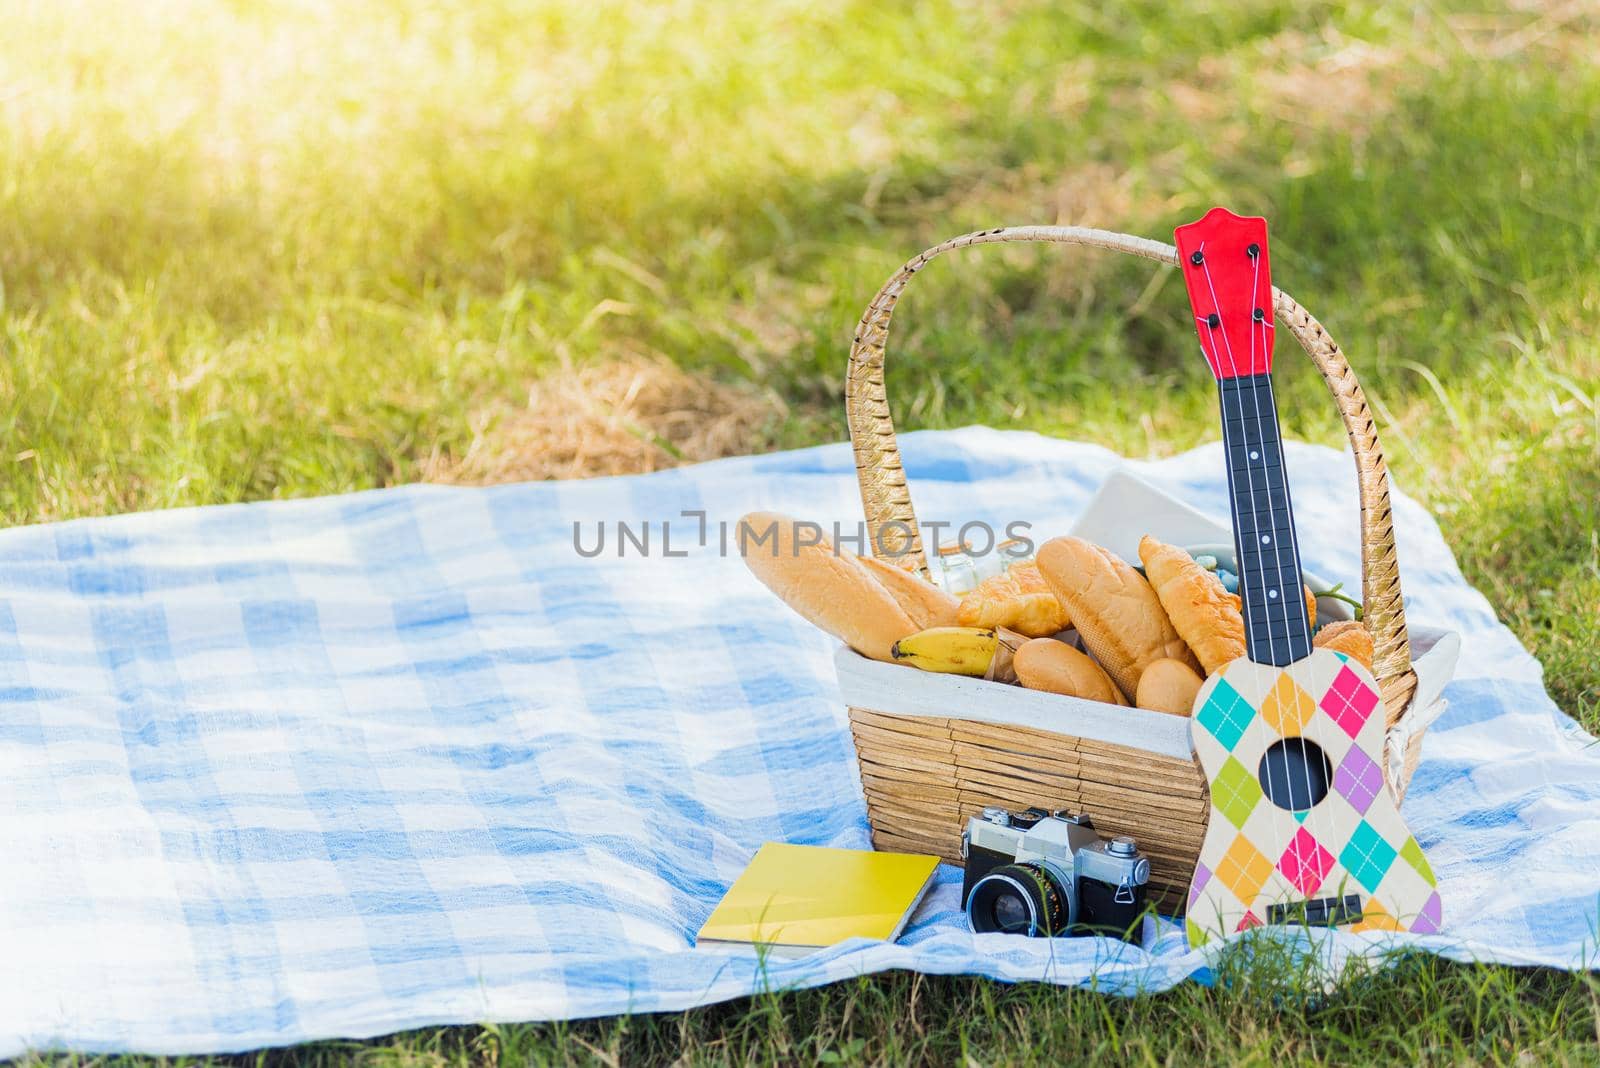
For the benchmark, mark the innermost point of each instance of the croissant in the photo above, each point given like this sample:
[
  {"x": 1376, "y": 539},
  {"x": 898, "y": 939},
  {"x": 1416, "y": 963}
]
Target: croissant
[
  {"x": 1207, "y": 616},
  {"x": 1348, "y": 636},
  {"x": 1210, "y": 618},
  {"x": 1019, "y": 599}
]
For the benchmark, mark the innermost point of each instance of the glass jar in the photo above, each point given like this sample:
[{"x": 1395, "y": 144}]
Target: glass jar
[{"x": 956, "y": 571}]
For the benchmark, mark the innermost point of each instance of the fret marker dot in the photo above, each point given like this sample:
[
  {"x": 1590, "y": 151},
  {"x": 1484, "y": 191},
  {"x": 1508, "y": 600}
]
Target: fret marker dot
[
  {"x": 1254, "y": 455},
  {"x": 1266, "y": 539},
  {"x": 1272, "y": 593}
]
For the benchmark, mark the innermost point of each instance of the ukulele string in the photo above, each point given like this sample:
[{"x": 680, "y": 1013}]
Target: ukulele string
[
  {"x": 1294, "y": 553},
  {"x": 1294, "y": 549},
  {"x": 1286, "y": 614},
  {"x": 1259, "y": 725},
  {"x": 1252, "y": 458}
]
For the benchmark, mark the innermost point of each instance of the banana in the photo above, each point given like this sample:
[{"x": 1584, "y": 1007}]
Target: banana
[{"x": 952, "y": 650}]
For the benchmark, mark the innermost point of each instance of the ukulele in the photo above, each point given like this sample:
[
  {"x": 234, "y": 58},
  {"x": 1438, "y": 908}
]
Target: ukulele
[{"x": 1303, "y": 829}]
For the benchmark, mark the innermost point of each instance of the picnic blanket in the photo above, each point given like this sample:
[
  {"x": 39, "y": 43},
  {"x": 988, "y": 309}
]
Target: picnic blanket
[{"x": 280, "y": 771}]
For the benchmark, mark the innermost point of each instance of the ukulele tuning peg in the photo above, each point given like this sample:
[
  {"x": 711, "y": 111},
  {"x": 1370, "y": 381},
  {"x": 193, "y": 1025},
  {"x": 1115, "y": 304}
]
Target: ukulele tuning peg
[{"x": 1223, "y": 259}]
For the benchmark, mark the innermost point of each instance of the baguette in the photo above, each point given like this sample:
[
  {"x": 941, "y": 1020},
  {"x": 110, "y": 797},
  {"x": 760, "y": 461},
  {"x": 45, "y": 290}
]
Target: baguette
[
  {"x": 1114, "y": 609},
  {"x": 926, "y": 604},
  {"x": 830, "y": 590}
]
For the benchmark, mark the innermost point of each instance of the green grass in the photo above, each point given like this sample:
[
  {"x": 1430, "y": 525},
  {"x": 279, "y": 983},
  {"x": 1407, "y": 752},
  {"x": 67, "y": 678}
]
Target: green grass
[
  {"x": 261, "y": 250},
  {"x": 1420, "y": 1011}
]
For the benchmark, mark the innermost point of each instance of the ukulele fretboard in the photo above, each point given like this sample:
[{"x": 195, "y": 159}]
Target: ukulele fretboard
[{"x": 1277, "y": 630}]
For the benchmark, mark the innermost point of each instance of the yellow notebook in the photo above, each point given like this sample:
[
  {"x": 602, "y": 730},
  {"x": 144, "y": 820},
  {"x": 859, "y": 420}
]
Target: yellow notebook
[{"x": 799, "y": 898}]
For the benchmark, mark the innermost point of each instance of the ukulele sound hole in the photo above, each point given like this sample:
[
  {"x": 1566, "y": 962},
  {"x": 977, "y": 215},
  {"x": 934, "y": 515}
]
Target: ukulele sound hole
[{"x": 1295, "y": 774}]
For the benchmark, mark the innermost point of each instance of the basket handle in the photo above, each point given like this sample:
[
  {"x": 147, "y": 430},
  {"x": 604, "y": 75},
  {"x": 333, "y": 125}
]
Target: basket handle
[{"x": 886, "y": 499}]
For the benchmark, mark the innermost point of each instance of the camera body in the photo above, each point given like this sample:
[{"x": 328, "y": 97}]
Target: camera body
[{"x": 1041, "y": 873}]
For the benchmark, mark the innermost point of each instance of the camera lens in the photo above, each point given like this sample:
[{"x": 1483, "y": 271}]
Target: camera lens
[
  {"x": 1018, "y": 899},
  {"x": 1010, "y": 914}
]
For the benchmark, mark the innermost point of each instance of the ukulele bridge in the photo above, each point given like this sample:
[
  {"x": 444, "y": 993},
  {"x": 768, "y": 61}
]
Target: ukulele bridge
[{"x": 1318, "y": 912}]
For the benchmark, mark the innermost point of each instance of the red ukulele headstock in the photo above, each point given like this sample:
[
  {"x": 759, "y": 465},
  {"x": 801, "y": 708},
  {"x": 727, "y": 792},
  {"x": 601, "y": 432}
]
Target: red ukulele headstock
[{"x": 1223, "y": 257}]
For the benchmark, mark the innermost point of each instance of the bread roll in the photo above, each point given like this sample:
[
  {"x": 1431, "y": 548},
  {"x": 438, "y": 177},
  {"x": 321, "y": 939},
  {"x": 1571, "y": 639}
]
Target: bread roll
[
  {"x": 1168, "y": 686},
  {"x": 1018, "y": 598},
  {"x": 1348, "y": 636},
  {"x": 1055, "y": 666},
  {"x": 830, "y": 590},
  {"x": 1116, "y": 612},
  {"x": 1205, "y": 615},
  {"x": 926, "y": 604}
]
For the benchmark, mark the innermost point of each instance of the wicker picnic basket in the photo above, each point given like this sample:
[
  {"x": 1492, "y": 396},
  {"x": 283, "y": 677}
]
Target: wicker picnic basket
[{"x": 924, "y": 776}]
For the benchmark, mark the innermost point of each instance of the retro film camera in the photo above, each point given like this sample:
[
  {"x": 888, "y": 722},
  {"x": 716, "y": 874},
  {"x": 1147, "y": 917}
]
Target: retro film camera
[{"x": 1039, "y": 873}]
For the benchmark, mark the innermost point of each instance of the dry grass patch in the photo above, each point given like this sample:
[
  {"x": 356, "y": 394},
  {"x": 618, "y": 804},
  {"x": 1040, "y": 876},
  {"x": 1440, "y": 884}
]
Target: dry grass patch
[{"x": 622, "y": 418}]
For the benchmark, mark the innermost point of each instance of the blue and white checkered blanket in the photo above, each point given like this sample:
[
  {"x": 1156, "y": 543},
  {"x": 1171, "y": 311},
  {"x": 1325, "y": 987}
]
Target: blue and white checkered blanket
[{"x": 279, "y": 771}]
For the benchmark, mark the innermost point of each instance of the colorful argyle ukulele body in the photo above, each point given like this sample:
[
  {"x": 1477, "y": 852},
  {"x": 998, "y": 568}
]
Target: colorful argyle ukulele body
[{"x": 1303, "y": 828}]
